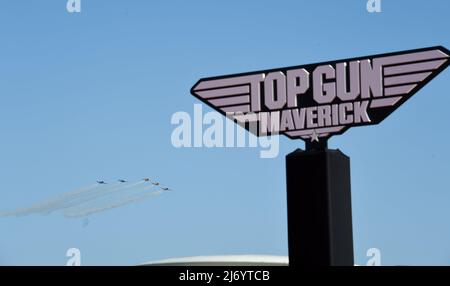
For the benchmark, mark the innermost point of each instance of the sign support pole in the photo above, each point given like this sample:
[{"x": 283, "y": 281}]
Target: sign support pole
[{"x": 319, "y": 207}]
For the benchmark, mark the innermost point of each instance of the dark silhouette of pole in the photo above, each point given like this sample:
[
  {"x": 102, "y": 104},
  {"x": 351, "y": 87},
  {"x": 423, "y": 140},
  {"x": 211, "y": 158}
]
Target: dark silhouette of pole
[{"x": 319, "y": 207}]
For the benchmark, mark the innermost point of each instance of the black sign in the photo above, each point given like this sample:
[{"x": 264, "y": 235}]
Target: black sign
[{"x": 315, "y": 101}]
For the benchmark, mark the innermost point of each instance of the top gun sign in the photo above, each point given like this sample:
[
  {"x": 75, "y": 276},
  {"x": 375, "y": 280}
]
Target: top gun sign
[{"x": 315, "y": 101}]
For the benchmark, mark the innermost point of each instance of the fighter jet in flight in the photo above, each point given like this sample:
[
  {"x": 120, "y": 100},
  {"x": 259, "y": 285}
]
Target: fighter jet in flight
[
  {"x": 101, "y": 182},
  {"x": 155, "y": 184},
  {"x": 122, "y": 181},
  {"x": 146, "y": 179},
  {"x": 166, "y": 189}
]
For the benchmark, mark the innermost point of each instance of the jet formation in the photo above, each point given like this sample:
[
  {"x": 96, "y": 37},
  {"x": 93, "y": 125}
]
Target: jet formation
[{"x": 96, "y": 198}]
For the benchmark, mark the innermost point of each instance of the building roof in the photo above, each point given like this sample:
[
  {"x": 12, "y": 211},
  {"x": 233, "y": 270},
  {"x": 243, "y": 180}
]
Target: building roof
[{"x": 223, "y": 260}]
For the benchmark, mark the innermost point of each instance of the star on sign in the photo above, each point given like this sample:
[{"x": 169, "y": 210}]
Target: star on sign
[{"x": 314, "y": 136}]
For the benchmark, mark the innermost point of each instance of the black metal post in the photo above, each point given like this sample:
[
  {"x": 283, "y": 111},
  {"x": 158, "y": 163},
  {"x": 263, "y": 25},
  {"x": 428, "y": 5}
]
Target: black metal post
[{"x": 319, "y": 207}]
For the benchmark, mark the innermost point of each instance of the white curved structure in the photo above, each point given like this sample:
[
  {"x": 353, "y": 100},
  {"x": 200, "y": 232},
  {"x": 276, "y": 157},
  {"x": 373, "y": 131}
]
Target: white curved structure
[{"x": 224, "y": 260}]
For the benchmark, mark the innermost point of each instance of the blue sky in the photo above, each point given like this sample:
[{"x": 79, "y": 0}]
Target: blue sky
[{"x": 89, "y": 96}]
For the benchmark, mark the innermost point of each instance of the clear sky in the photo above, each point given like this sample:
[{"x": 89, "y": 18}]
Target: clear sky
[{"x": 90, "y": 96}]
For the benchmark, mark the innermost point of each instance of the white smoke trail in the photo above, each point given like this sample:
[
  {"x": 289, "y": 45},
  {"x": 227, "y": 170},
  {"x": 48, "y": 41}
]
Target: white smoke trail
[
  {"x": 92, "y": 199},
  {"x": 118, "y": 187},
  {"x": 129, "y": 200},
  {"x": 108, "y": 198},
  {"x": 41, "y": 207},
  {"x": 111, "y": 206},
  {"x": 69, "y": 199}
]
